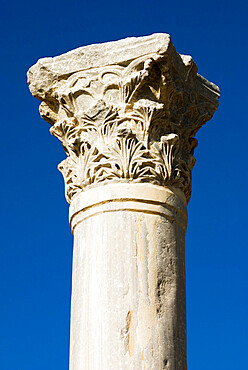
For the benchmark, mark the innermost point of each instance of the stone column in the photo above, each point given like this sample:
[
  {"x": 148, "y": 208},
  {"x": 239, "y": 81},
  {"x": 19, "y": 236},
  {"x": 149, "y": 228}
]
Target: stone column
[{"x": 126, "y": 113}]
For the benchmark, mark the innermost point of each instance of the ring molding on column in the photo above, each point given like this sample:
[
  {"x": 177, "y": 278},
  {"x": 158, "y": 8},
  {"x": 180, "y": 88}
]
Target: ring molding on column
[{"x": 145, "y": 198}]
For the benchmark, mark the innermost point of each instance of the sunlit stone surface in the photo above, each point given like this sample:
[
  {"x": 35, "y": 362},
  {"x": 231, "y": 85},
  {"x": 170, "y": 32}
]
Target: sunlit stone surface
[{"x": 126, "y": 113}]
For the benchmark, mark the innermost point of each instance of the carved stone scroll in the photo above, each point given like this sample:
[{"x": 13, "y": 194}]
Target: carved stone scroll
[{"x": 133, "y": 118}]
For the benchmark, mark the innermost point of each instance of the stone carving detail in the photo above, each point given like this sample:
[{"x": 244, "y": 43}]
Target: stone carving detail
[{"x": 134, "y": 121}]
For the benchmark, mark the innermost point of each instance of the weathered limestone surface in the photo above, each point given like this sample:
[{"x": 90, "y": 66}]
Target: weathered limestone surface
[
  {"x": 126, "y": 113},
  {"x": 128, "y": 302}
]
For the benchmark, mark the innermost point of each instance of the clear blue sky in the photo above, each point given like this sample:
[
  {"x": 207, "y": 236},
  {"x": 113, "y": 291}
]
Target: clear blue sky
[{"x": 35, "y": 238}]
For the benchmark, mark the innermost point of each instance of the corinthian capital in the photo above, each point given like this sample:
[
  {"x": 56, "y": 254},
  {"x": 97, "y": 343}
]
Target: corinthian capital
[{"x": 124, "y": 111}]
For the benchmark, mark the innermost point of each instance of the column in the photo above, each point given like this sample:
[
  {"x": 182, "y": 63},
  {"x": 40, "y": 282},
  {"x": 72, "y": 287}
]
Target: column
[{"x": 126, "y": 113}]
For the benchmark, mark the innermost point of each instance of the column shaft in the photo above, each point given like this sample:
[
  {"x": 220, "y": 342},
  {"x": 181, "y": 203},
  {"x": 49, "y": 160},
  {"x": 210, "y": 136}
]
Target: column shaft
[{"x": 128, "y": 287}]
